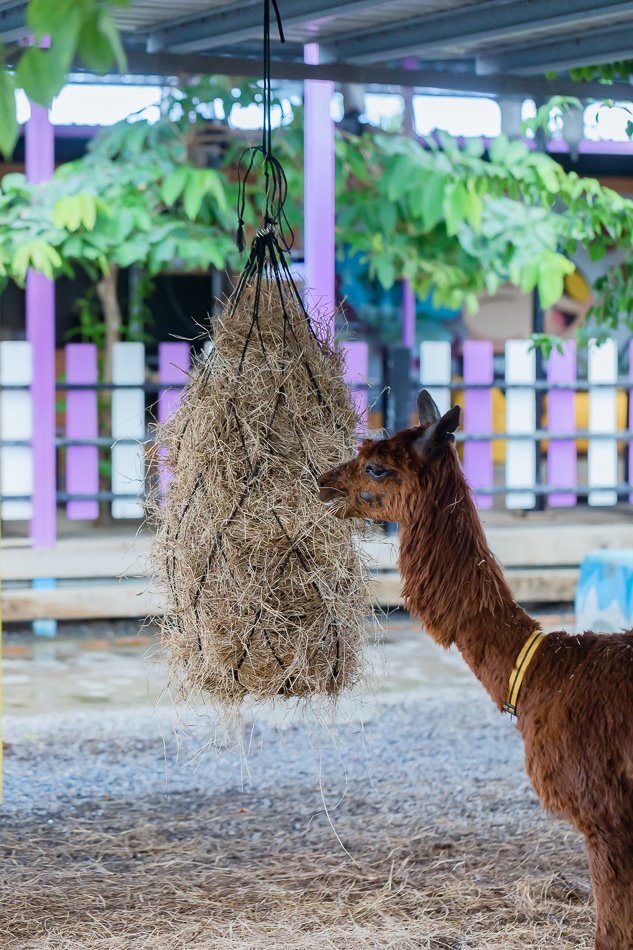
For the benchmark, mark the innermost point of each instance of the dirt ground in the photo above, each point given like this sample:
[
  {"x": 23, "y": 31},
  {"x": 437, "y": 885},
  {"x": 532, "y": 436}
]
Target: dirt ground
[{"x": 404, "y": 822}]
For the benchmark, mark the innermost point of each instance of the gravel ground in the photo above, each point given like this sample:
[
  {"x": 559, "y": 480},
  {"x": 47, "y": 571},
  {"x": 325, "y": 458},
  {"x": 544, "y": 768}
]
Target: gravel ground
[
  {"x": 407, "y": 822},
  {"x": 436, "y": 745}
]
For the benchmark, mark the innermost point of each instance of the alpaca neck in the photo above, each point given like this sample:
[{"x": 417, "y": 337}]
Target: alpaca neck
[{"x": 452, "y": 581}]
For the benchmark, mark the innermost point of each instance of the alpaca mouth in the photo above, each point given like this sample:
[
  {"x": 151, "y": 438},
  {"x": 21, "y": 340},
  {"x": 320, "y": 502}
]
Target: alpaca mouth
[{"x": 332, "y": 498}]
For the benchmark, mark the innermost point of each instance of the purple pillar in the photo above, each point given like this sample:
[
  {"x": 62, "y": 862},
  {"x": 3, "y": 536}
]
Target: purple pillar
[
  {"x": 318, "y": 236},
  {"x": 40, "y": 331},
  {"x": 561, "y": 417},
  {"x": 408, "y": 315},
  {"x": 408, "y": 297},
  {"x": 478, "y": 463},
  {"x": 631, "y": 420}
]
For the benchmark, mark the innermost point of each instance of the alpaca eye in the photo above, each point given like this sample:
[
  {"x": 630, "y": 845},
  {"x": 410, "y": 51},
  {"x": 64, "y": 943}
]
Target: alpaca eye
[{"x": 376, "y": 472}]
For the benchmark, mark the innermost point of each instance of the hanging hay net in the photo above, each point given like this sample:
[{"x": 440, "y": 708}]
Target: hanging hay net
[{"x": 263, "y": 588}]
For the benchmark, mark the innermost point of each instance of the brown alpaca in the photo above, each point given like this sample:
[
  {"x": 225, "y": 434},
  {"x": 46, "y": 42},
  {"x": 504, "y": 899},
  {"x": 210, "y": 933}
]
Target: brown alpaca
[{"x": 575, "y": 707}]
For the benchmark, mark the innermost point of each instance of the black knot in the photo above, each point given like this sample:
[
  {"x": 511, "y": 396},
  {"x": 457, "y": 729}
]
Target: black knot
[{"x": 239, "y": 237}]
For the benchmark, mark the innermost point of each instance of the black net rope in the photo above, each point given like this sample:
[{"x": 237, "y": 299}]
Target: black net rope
[{"x": 267, "y": 261}]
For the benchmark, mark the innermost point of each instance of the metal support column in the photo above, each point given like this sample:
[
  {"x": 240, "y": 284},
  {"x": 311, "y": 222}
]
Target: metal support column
[
  {"x": 538, "y": 326},
  {"x": 40, "y": 331},
  {"x": 319, "y": 188}
]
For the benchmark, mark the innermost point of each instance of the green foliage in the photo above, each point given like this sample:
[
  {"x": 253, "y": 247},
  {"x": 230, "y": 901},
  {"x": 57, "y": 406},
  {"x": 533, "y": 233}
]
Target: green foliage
[
  {"x": 63, "y": 30},
  {"x": 453, "y": 221},
  {"x": 546, "y": 342},
  {"x": 542, "y": 117},
  {"x": 90, "y": 326},
  {"x": 604, "y": 72},
  {"x": 456, "y": 223},
  {"x": 9, "y": 128},
  {"x": 133, "y": 199}
]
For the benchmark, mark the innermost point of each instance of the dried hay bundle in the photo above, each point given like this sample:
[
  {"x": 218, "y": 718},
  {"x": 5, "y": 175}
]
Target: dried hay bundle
[{"x": 264, "y": 588}]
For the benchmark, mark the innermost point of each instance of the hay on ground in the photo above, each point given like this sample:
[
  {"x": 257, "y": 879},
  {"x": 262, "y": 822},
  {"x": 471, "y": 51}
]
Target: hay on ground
[
  {"x": 263, "y": 587},
  {"x": 185, "y": 872}
]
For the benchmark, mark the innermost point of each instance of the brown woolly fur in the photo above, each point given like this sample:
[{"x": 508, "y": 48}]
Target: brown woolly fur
[
  {"x": 575, "y": 707},
  {"x": 264, "y": 592}
]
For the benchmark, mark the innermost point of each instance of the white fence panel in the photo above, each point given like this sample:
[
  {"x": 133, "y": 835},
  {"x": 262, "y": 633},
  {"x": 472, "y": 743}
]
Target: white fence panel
[
  {"x": 520, "y": 420},
  {"x": 16, "y": 422},
  {"x": 602, "y": 459},
  {"x": 128, "y": 422},
  {"x": 435, "y": 371}
]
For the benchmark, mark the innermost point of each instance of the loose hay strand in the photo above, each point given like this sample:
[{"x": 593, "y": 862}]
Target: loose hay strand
[{"x": 265, "y": 592}]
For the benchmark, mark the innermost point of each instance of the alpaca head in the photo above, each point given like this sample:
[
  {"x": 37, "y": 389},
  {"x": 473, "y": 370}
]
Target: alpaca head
[{"x": 381, "y": 481}]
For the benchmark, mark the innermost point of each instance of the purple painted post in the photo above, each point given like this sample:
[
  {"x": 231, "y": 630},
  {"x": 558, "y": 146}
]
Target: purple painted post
[
  {"x": 478, "y": 464},
  {"x": 40, "y": 331},
  {"x": 318, "y": 231},
  {"x": 631, "y": 419},
  {"x": 173, "y": 368},
  {"x": 82, "y": 461},
  {"x": 356, "y": 371},
  {"x": 561, "y": 417},
  {"x": 408, "y": 297},
  {"x": 408, "y": 315}
]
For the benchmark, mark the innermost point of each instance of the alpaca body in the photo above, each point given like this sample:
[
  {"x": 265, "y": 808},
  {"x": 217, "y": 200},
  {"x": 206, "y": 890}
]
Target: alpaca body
[
  {"x": 575, "y": 709},
  {"x": 579, "y": 757}
]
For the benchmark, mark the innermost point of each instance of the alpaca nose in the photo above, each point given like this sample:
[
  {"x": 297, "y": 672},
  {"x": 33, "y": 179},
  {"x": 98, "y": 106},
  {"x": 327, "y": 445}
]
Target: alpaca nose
[{"x": 324, "y": 479}]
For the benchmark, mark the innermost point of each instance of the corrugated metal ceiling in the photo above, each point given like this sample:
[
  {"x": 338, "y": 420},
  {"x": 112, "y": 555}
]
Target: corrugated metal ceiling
[{"x": 473, "y": 37}]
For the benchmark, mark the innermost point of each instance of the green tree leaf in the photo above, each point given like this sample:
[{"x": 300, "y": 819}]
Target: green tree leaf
[
  {"x": 173, "y": 185},
  {"x": 47, "y": 16},
  {"x": 41, "y": 74},
  {"x": 67, "y": 212},
  {"x": 133, "y": 251},
  {"x": 88, "y": 210},
  {"x": 455, "y": 206},
  {"x": 95, "y": 46},
  {"x": 551, "y": 279},
  {"x": 473, "y": 208},
  {"x": 15, "y": 183},
  {"x": 433, "y": 200},
  {"x": 108, "y": 29},
  {"x": 385, "y": 271},
  {"x": 193, "y": 195},
  {"x": 214, "y": 186},
  {"x": 9, "y": 128}
]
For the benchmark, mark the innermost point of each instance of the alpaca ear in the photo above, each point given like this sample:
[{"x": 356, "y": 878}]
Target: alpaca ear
[
  {"x": 433, "y": 439},
  {"x": 427, "y": 409}
]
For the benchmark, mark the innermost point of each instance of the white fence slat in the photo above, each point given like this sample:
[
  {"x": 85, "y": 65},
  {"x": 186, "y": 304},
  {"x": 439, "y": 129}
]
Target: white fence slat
[
  {"x": 520, "y": 420},
  {"x": 16, "y": 422},
  {"x": 128, "y": 422},
  {"x": 435, "y": 371},
  {"x": 602, "y": 458}
]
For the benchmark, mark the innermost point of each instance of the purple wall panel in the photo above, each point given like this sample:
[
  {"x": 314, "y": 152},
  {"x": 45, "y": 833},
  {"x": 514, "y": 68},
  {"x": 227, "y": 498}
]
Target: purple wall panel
[
  {"x": 82, "y": 461},
  {"x": 561, "y": 455},
  {"x": 173, "y": 367},
  {"x": 356, "y": 370},
  {"x": 478, "y": 464}
]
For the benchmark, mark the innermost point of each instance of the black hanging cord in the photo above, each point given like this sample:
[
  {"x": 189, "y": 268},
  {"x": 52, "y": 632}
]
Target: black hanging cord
[{"x": 276, "y": 185}]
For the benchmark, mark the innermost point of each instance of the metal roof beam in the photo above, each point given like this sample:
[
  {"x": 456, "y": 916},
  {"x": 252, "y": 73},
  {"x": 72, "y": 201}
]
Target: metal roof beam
[
  {"x": 172, "y": 64},
  {"x": 236, "y": 23},
  {"x": 492, "y": 20},
  {"x": 589, "y": 49}
]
